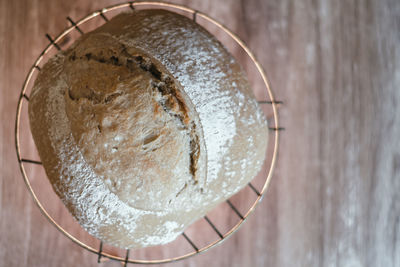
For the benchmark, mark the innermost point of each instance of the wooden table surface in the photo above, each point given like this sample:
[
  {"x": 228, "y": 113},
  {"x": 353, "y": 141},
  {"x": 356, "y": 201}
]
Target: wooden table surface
[{"x": 335, "y": 196}]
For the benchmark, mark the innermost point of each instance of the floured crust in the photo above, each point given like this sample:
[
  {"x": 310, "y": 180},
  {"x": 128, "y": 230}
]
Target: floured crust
[
  {"x": 144, "y": 125},
  {"x": 128, "y": 119}
]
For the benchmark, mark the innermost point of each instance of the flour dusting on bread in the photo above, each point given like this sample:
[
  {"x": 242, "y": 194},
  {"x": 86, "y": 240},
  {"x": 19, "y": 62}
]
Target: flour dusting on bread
[{"x": 144, "y": 125}]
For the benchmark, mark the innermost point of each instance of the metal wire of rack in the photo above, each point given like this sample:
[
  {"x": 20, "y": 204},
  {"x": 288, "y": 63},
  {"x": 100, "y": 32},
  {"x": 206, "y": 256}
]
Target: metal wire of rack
[{"x": 274, "y": 127}]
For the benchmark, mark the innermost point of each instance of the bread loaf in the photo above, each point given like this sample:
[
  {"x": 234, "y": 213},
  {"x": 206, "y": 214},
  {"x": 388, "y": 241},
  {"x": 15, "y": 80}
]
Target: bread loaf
[{"x": 145, "y": 124}]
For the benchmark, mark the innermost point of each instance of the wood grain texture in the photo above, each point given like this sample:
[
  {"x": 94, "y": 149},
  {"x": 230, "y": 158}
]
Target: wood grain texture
[{"x": 334, "y": 199}]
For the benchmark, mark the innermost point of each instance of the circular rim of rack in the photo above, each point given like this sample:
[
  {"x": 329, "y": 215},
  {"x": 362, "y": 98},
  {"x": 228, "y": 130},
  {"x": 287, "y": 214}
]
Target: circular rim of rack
[{"x": 276, "y": 128}]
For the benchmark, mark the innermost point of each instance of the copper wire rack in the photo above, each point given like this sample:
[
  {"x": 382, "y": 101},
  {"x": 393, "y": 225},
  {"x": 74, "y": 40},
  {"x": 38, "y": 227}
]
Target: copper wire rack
[{"x": 268, "y": 103}]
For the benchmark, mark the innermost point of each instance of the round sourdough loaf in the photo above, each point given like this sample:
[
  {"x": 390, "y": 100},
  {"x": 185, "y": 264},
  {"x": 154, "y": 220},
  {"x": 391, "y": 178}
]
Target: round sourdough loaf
[{"x": 145, "y": 124}]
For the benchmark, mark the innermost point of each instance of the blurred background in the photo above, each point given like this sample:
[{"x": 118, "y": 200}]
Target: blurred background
[{"x": 334, "y": 199}]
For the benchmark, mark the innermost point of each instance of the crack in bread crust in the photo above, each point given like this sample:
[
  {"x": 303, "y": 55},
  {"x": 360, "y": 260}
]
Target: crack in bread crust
[{"x": 171, "y": 101}]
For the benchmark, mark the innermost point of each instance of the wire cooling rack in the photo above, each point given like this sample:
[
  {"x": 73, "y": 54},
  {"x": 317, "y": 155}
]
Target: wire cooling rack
[{"x": 268, "y": 102}]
